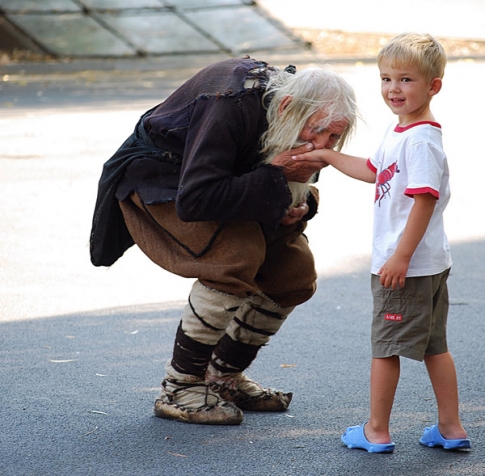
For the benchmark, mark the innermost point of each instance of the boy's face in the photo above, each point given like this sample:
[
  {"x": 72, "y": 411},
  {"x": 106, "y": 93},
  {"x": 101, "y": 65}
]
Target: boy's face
[{"x": 407, "y": 92}]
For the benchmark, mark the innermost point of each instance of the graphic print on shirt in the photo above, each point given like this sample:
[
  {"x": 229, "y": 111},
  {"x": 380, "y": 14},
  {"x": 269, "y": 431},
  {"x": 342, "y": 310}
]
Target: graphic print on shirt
[{"x": 383, "y": 185}]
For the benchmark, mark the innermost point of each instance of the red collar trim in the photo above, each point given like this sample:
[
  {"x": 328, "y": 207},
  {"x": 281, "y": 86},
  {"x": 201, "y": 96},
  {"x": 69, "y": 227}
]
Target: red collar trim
[{"x": 398, "y": 128}]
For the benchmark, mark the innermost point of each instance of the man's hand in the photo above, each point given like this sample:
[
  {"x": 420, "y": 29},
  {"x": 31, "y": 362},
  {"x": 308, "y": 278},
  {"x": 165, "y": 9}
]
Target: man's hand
[
  {"x": 294, "y": 170},
  {"x": 295, "y": 214}
]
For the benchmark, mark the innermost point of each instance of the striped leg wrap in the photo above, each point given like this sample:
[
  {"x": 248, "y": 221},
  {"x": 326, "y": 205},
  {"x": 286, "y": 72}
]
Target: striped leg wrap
[
  {"x": 189, "y": 356},
  {"x": 208, "y": 313},
  {"x": 255, "y": 322},
  {"x": 204, "y": 322}
]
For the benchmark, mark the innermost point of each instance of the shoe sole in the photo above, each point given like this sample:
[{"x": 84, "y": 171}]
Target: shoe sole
[
  {"x": 432, "y": 438},
  {"x": 224, "y": 414}
]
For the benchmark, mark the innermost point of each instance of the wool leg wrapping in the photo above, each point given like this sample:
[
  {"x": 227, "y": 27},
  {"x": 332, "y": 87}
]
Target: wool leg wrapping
[
  {"x": 257, "y": 320},
  {"x": 203, "y": 323},
  {"x": 254, "y": 323},
  {"x": 189, "y": 356},
  {"x": 208, "y": 312},
  {"x": 231, "y": 356}
]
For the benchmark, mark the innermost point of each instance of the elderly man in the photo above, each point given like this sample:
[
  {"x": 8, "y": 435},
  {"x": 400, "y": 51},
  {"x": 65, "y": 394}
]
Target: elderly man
[{"x": 205, "y": 187}]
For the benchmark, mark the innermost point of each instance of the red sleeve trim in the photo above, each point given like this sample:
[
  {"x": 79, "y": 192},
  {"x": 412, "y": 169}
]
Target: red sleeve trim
[
  {"x": 369, "y": 164},
  {"x": 410, "y": 192}
]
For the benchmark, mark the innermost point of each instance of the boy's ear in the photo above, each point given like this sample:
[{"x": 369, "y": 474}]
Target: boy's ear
[
  {"x": 284, "y": 104},
  {"x": 435, "y": 86}
]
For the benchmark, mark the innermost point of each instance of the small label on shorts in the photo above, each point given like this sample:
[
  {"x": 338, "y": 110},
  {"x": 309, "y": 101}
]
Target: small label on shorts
[{"x": 393, "y": 317}]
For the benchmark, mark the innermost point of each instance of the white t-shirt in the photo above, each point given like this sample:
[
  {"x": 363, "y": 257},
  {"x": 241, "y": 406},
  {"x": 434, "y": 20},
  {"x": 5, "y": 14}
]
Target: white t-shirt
[{"x": 409, "y": 161}]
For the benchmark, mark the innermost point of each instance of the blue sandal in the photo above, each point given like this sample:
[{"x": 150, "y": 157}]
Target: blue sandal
[
  {"x": 354, "y": 437},
  {"x": 432, "y": 438}
]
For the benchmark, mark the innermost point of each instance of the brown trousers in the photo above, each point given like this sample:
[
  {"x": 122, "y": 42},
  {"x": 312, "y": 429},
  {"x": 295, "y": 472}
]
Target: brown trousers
[{"x": 234, "y": 257}]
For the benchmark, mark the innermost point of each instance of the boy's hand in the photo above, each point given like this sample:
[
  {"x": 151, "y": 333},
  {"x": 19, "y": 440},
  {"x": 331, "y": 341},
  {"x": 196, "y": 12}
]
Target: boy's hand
[
  {"x": 393, "y": 273},
  {"x": 317, "y": 155}
]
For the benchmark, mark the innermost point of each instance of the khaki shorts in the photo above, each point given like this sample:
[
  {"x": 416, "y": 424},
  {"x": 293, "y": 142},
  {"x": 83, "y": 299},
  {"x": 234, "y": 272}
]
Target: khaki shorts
[{"x": 410, "y": 322}]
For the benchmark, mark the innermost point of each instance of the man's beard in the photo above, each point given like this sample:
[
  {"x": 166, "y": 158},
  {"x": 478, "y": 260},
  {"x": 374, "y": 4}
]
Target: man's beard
[{"x": 299, "y": 191}]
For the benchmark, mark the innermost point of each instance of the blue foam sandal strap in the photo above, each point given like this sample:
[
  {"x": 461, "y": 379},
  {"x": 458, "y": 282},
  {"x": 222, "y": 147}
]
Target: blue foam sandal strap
[
  {"x": 354, "y": 437},
  {"x": 432, "y": 438}
]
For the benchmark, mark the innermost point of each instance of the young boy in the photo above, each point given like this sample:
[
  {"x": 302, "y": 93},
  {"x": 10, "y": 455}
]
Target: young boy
[{"x": 411, "y": 257}]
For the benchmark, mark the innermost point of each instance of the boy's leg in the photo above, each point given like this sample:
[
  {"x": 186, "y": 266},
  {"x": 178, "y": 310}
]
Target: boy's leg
[
  {"x": 440, "y": 364},
  {"x": 383, "y": 383},
  {"x": 442, "y": 373},
  {"x": 398, "y": 315}
]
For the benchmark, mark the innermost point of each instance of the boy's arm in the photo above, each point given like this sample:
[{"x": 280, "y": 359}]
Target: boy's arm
[
  {"x": 355, "y": 167},
  {"x": 393, "y": 273}
]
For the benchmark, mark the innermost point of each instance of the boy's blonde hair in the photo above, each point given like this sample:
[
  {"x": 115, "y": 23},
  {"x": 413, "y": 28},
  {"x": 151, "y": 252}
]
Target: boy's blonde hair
[{"x": 420, "y": 50}]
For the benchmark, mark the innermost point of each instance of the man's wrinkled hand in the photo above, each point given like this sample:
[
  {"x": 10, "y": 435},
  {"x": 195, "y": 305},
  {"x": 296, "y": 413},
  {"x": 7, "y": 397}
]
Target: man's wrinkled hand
[
  {"x": 295, "y": 214},
  {"x": 297, "y": 171}
]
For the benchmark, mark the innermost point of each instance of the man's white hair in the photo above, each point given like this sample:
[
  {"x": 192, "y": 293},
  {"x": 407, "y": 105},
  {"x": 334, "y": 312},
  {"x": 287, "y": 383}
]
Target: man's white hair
[{"x": 311, "y": 90}]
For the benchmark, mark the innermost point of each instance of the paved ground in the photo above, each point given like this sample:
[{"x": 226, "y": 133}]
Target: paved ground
[
  {"x": 82, "y": 349},
  {"x": 77, "y": 391}
]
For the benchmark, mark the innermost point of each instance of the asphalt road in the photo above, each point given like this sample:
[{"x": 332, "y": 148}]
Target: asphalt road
[
  {"x": 77, "y": 392},
  {"x": 82, "y": 350}
]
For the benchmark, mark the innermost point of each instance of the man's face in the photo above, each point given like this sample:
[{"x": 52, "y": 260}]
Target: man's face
[{"x": 320, "y": 137}]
